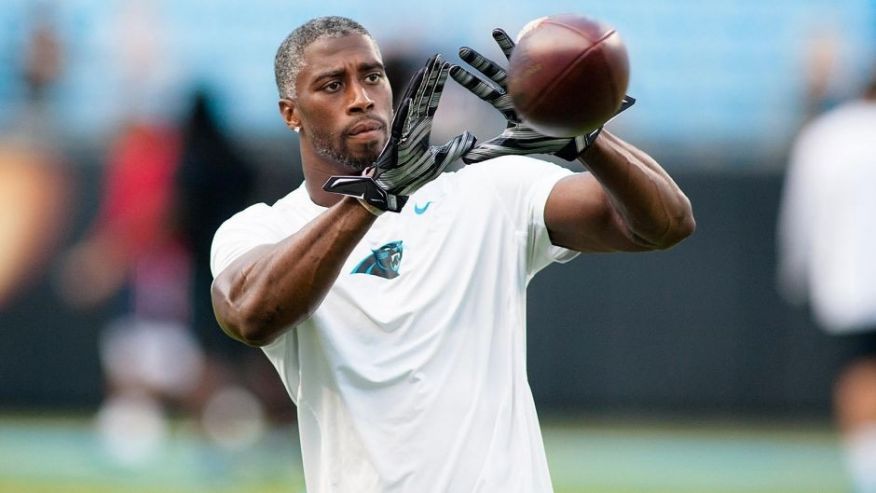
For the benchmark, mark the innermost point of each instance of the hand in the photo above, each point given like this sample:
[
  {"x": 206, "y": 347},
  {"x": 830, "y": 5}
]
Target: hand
[
  {"x": 407, "y": 162},
  {"x": 517, "y": 138}
]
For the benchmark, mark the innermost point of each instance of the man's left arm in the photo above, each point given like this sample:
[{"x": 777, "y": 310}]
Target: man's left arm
[{"x": 626, "y": 203}]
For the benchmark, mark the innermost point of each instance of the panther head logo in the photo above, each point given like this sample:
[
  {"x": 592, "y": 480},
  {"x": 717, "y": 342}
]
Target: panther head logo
[{"x": 383, "y": 262}]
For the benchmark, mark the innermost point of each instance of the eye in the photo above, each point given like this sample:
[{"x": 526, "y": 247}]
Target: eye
[
  {"x": 333, "y": 86},
  {"x": 374, "y": 77}
]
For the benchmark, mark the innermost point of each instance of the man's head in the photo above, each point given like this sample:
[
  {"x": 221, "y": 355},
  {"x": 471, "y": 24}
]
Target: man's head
[{"x": 333, "y": 90}]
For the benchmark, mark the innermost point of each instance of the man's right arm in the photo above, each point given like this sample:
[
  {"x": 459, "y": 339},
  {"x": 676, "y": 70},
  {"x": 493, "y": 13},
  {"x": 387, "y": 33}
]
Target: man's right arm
[{"x": 274, "y": 287}]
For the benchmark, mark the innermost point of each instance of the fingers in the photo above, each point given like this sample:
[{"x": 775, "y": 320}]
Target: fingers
[
  {"x": 517, "y": 141},
  {"x": 455, "y": 148},
  {"x": 477, "y": 155},
  {"x": 506, "y": 44},
  {"x": 484, "y": 65},
  {"x": 399, "y": 119},
  {"x": 482, "y": 89},
  {"x": 495, "y": 147},
  {"x": 426, "y": 92},
  {"x": 438, "y": 90},
  {"x": 474, "y": 84}
]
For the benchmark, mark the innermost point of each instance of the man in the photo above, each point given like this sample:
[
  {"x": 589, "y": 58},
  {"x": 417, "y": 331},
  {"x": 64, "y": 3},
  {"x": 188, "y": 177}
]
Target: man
[
  {"x": 401, "y": 336},
  {"x": 827, "y": 229}
]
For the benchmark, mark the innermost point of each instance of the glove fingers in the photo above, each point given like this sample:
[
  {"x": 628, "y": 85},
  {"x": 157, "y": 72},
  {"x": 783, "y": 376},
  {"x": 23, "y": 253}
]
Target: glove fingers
[
  {"x": 455, "y": 147},
  {"x": 520, "y": 142},
  {"x": 506, "y": 44},
  {"x": 474, "y": 84},
  {"x": 482, "y": 89},
  {"x": 438, "y": 90},
  {"x": 398, "y": 120},
  {"x": 484, "y": 65},
  {"x": 388, "y": 156},
  {"x": 421, "y": 98},
  {"x": 494, "y": 147}
]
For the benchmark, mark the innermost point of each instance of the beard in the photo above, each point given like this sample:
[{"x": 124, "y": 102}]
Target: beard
[{"x": 336, "y": 148}]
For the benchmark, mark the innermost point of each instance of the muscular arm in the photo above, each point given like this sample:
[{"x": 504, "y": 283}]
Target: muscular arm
[
  {"x": 273, "y": 287},
  {"x": 626, "y": 203}
]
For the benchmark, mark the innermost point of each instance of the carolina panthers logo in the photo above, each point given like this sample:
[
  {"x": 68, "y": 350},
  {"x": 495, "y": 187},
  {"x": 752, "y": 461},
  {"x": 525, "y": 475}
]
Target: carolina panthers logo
[{"x": 383, "y": 262}]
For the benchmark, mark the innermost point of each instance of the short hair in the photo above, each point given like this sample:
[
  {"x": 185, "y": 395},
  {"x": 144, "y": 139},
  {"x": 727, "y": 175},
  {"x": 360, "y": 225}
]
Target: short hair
[{"x": 290, "y": 54}]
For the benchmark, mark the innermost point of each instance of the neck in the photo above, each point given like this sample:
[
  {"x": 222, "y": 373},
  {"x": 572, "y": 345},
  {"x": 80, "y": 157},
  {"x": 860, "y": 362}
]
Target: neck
[{"x": 317, "y": 170}]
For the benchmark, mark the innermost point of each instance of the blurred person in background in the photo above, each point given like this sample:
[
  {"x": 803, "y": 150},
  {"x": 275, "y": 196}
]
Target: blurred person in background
[
  {"x": 213, "y": 182},
  {"x": 133, "y": 256},
  {"x": 166, "y": 191},
  {"x": 401, "y": 336},
  {"x": 139, "y": 255},
  {"x": 826, "y": 238},
  {"x": 34, "y": 185}
]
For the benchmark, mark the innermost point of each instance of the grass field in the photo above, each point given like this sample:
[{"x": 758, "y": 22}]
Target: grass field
[{"x": 64, "y": 455}]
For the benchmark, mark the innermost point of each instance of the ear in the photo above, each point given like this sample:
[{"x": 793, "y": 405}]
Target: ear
[{"x": 289, "y": 112}]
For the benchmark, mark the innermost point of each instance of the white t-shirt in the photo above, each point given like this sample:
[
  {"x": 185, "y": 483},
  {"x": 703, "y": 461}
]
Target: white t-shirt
[
  {"x": 411, "y": 375},
  {"x": 827, "y": 228}
]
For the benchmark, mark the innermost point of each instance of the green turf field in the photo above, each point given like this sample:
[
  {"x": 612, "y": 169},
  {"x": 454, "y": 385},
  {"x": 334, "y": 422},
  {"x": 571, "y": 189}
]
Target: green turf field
[{"x": 63, "y": 455}]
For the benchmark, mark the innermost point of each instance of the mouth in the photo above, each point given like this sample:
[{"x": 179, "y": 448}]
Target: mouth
[{"x": 366, "y": 129}]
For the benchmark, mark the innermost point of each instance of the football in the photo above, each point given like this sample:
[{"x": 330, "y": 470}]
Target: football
[{"x": 568, "y": 74}]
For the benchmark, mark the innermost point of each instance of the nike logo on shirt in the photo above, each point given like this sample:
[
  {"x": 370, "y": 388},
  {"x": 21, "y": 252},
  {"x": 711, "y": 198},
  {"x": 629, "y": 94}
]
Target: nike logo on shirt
[{"x": 420, "y": 210}]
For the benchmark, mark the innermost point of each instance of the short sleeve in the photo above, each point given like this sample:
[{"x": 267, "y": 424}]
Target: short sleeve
[
  {"x": 522, "y": 186},
  {"x": 541, "y": 251},
  {"x": 254, "y": 226}
]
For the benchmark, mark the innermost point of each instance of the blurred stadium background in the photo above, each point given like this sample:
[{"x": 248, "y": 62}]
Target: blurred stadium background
[{"x": 678, "y": 371}]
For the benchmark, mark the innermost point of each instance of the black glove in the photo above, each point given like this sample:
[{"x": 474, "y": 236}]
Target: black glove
[
  {"x": 518, "y": 137},
  {"x": 407, "y": 162}
]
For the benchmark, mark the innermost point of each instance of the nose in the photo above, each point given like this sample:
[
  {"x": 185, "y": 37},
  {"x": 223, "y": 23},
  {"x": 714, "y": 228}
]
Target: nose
[{"x": 360, "y": 100}]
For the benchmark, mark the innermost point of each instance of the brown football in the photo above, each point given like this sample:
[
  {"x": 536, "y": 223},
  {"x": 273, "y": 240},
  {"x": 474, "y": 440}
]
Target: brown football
[{"x": 568, "y": 74}]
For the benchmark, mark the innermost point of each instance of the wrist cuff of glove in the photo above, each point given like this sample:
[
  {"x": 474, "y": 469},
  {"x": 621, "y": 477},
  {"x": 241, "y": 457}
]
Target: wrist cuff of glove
[
  {"x": 578, "y": 145},
  {"x": 370, "y": 208},
  {"x": 367, "y": 191}
]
